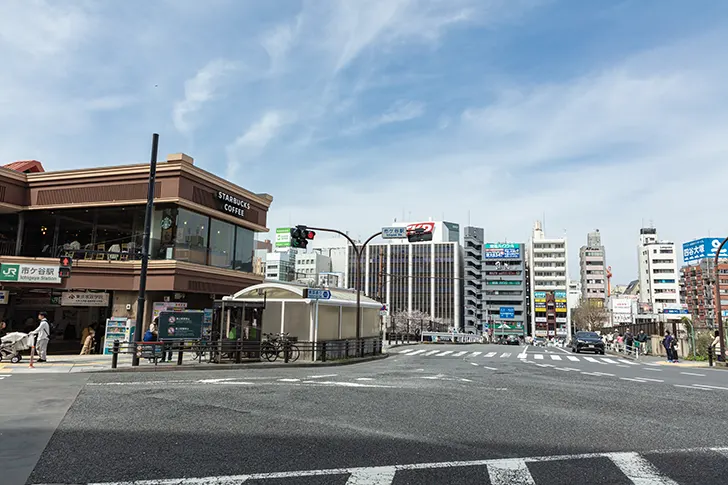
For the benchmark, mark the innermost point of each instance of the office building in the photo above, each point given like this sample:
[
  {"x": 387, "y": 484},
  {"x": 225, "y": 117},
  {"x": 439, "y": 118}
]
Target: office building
[
  {"x": 280, "y": 265},
  {"x": 573, "y": 298},
  {"x": 505, "y": 283},
  {"x": 659, "y": 286},
  {"x": 593, "y": 272},
  {"x": 424, "y": 276},
  {"x": 698, "y": 278},
  {"x": 309, "y": 267},
  {"x": 548, "y": 262},
  {"x": 473, "y": 278}
]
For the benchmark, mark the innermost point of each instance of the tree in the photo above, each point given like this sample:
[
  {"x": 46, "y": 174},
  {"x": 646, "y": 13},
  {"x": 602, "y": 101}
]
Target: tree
[
  {"x": 411, "y": 322},
  {"x": 589, "y": 315}
]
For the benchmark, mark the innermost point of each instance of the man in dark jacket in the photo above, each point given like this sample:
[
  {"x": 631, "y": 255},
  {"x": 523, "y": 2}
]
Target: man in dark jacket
[
  {"x": 628, "y": 342},
  {"x": 667, "y": 343}
]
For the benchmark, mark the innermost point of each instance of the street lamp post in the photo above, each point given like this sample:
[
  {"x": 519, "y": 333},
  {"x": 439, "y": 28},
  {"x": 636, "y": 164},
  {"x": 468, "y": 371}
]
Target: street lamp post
[
  {"x": 358, "y": 254},
  {"x": 718, "y": 309}
]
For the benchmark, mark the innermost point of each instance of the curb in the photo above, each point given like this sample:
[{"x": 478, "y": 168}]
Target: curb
[{"x": 252, "y": 365}]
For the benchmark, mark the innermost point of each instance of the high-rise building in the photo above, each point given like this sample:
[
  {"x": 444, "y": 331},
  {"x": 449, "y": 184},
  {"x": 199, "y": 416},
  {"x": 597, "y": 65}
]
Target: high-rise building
[
  {"x": 280, "y": 265},
  {"x": 658, "y": 276},
  {"x": 424, "y": 276},
  {"x": 505, "y": 298},
  {"x": 548, "y": 262},
  {"x": 473, "y": 278},
  {"x": 593, "y": 272}
]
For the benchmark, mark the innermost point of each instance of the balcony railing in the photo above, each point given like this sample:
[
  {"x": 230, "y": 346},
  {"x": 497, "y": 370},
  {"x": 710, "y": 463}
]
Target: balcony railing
[{"x": 7, "y": 248}]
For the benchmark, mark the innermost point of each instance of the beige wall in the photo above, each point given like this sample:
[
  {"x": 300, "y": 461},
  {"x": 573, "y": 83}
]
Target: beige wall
[{"x": 297, "y": 320}]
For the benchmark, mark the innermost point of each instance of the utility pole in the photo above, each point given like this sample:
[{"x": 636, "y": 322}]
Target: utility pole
[
  {"x": 718, "y": 308},
  {"x": 145, "y": 248}
]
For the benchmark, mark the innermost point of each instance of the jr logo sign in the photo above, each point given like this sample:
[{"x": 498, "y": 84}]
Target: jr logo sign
[{"x": 9, "y": 272}]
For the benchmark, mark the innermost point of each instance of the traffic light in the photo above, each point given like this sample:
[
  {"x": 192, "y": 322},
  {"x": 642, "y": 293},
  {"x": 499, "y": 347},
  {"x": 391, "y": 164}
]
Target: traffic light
[
  {"x": 300, "y": 235},
  {"x": 65, "y": 262},
  {"x": 418, "y": 235}
]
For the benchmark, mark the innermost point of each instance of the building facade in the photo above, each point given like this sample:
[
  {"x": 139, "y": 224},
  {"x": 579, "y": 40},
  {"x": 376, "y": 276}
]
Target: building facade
[
  {"x": 698, "y": 279},
  {"x": 548, "y": 261},
  {"x": 202, "y": 241},
  {"x": 280, "y": 265},
  {"x": 410, "y": 277},
  {"x": 309, "y": 267},
  {"x": 473, "y": 278},
  {"x": 505, "y": 288},
  {"x": 659, "y": 285},
  {"x": 593, "y": 270}
]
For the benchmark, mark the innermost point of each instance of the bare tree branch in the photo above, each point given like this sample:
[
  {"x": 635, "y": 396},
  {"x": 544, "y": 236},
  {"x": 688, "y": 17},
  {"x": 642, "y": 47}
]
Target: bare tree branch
[{"x": 589, "y": 315}]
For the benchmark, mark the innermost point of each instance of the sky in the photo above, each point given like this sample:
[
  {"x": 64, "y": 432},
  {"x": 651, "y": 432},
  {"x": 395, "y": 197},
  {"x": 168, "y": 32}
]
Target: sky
[{"x": 608, "y": 115}]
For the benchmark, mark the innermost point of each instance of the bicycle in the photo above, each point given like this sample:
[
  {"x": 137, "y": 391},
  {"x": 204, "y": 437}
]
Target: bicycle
[{"x": 276, "y": 345}]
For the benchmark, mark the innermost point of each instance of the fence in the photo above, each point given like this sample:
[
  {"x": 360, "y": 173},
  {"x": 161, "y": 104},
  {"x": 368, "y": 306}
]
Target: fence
[{"x": 240, "y": 351}]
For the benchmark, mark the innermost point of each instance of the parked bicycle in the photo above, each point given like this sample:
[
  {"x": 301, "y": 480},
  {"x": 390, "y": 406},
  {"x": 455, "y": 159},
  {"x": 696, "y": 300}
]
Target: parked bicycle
[{"x": 276, "y": 345}]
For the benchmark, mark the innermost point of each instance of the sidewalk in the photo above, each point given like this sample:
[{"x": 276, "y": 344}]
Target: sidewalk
[
  {"x": 660, "y": 360},
  {"x": 67, "y": 364}
]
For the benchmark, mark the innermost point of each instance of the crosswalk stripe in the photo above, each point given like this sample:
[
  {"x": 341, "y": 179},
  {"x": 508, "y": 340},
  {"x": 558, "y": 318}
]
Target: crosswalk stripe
[
  {"x": 639, "y": 470},
  {"x": 572, "y": 358},
  {"x": 522, "y": 356},
  {"x": 538, "y": 356},
  {"x": 462, "y": 352},
  {"x": 490, "y": 354},
  {"x": 505, "y": 354},
  {"x": 417, "y": 352},
  {"x": 432, "y": 352},
  {"x": 625, "y": 361},
  {"x": 475, "y": 354},
  {"x": 555, "y": 357},
  {"x": 510, "y": 471},
  {"x": 406, "y": 351},
  {"x": 608, "y": 360},
  {"x": 442, "y": 354},
  {"x": 592, "y": 359}
]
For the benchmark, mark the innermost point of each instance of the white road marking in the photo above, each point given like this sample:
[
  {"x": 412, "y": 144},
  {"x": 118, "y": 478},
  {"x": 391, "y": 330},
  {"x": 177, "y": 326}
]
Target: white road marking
[
  {"x": 406, "y": 351},
  {"x": 562, "y": 350},
  {"x": 572, "y": 358},
  {"x": 692, "y": 387},
  {"x": 490, "y": 354},
  {"x": 649, "y": 379},
  {"x": 489, "y": 368},
  {"x": 462, "y": 352},
  {"x": 418, "y": 352},
  {"x": 562, "y": 368},
  {"x": 383, "y": 475},
  {"x": 364, "y": 379},
  {"x": 639, "y": 470},
  {"x": 653, "y": 370},
  {"x": 628, "y": 362},
  {"x": 465, "y": 380},
  {"x": 693, "y": 374},
  {"x": 651, "y": 363},
  {"x": 608, "y": 360},
  {"x": 632, "y": 379},
  {"x": 593, "y": 360},
  {"x": 522, "y": 356},
  {"x": 711, "y": 387},
  {"x": 545, "y": 365},
  {"x": 344, "y": 384},
  {"x": 605, "y": 374},
  {"x": 442, "y": 354},
  {"x": 555, "y": 357},
  {"x": 322, "y": 376},
  {"x": 538, "y": 356},
  {"x": 431, "y": 352},
  {"x": 505, "y": 354},
  {"x": 289, "y": 380},
  {"x": 573, "y": 369},
  {"x": 512, "y": 471},
  {"x": 475, "y": 354},
  {"x": 622, "y": 365},
  {"x": 591, "y": 374},
  {"x": 473, "y": 363}
]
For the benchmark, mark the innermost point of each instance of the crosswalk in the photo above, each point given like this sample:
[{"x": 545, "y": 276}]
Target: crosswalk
[
  {"x": 562, "y": 358},
  {"x": 3, "y": 376},
  {"x": 661, "y": 467}
]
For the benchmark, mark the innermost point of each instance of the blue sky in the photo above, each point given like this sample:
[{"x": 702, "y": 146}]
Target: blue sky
[{"x": 351, "y": 113}]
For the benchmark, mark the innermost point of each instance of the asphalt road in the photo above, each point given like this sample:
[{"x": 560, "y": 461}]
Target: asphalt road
[{"x": 422, "y": 419}]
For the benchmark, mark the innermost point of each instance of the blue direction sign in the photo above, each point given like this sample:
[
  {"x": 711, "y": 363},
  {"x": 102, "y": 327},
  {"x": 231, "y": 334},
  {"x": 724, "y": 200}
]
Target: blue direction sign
[
  {"x": 507, "y": 312},
  {"x": 394, "y": 233},
  {"x": 318, "y": 294}
]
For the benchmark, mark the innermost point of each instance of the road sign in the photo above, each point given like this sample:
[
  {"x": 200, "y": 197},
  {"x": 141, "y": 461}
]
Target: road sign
[
  {"x": 394, "y": 233},
  {"x": 318, "y": 294},
  {"x": 507, "y": 312},
  {"x": 66, "y": 261},
  {"x": 384, "y": 311}
]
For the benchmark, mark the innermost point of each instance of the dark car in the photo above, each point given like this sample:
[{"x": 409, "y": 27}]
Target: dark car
[
  {"x": 587, "y": 341},
  {"x": 513, "y": 340}
]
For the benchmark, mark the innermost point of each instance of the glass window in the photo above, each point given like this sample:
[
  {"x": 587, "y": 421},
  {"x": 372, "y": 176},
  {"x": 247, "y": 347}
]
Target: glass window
[
  {"x": 8, "y": 233},
  {"x": 222, "y": 243},
  {"x": 120, "y": 230},
  {"x": 190, "y": 242},
  {"x": 76, "y": 232},
  {"x": 243, "y": 250}
]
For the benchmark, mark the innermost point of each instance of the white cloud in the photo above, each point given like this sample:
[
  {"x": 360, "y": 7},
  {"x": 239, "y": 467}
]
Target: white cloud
[
  {"x": 399, "y": 112},
  {"x": 200, "y": 89}
]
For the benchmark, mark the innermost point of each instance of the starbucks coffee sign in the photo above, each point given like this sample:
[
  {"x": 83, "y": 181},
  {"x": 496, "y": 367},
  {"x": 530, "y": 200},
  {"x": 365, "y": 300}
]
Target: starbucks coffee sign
[{"x": 232, "y": 205}]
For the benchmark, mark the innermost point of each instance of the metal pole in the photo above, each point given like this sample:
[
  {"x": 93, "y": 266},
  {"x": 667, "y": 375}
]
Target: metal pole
[
  {"x": 315, "y": 330},
  {"x": 145, "y": 248},
  {"x": 718, "y": 309}
]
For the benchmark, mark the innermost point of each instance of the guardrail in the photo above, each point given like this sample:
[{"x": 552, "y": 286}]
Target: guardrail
[{"x": 239, "y": 351}]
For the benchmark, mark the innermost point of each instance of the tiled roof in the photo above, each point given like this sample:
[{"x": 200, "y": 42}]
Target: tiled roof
[{"x": 26, "y": 166}]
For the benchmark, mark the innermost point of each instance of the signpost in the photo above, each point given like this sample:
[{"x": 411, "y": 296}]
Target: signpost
[
  {"x": 181, "y": 325},
  {"x": 394, "y": 233},
  {"x": 507, "y": 312},
  {"x": 317, "y": 294}
]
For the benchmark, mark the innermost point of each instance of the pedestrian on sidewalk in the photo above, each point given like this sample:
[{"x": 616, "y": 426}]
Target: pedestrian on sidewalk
[
  {"x": 667, "y": 343},
  {"x": 3, "y": 328},
  {"x": 629, "y": 342},
  {"x": 714, "y": 345},
  {"x": 43, "y": 335},
  {"x": 89, "y": 343}
]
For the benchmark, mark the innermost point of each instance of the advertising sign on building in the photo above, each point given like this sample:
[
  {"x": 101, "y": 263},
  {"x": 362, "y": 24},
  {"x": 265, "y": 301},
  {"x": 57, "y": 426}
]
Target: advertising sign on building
[
  {"x": 81, "y": 298},
  {"x": 503, "y": 282},
  {"x": 502, "y": 251},
  {"x": 167, "y": 306},
  {"x": 283, "y": 237},
  {"x": 559, "y": 296},
  {"x": 29, "y": 273},
  {"x": 4, "y": 297},
  {"x": 704, "y": 248},
  {"x": 621, "y": 305}
]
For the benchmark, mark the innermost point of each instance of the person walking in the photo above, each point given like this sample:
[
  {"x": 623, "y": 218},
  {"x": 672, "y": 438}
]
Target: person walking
[
  {"x": 628, "y": 342},
  {"x": 641, "y": 339},
  {"x": 43, "y": 335},
  {"x": 667, "y": 343},
  {"x": 88, "y": 344}
]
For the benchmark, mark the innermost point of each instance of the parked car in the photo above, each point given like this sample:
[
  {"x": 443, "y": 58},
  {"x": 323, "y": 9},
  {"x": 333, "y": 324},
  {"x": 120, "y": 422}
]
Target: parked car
[
  {"x": 513, "y": 340},
  {"x": 539, "y": 342},
  {"x": 587, "y": 341}
]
